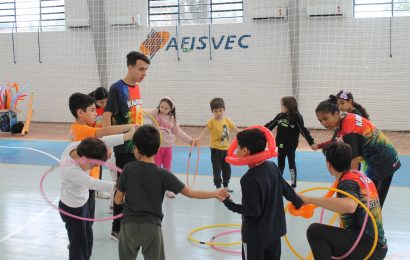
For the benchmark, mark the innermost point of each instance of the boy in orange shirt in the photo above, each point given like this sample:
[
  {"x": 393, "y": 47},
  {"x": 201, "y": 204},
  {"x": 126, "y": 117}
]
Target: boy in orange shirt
[{"x": 83, "y": 108}]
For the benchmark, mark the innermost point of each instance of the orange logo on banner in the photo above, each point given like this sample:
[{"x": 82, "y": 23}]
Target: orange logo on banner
[{"x": 154, "y": 42}]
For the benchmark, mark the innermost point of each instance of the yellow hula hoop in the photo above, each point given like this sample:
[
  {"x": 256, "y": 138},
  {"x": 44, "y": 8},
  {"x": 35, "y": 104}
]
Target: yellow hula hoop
[
  {"x": 376, "y": 231},
  {"x": 190, "y": 238},
  {"x": 155, "y": 123}
]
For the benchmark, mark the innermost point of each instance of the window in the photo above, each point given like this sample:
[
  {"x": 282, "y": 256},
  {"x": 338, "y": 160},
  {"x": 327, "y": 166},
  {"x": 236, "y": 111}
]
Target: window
[
  {"x": 188, "y": 12},
  {"x": 31, "y": 15},
  {"x": 381, "y": 8}
]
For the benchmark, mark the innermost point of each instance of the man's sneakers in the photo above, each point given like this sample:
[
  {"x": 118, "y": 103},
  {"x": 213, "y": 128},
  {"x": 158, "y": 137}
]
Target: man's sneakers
[{"x": 115, "y": 236}]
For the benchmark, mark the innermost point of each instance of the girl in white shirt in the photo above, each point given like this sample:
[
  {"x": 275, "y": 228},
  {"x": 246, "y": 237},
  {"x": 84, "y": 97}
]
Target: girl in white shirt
[{"x": 75, "y": 185}]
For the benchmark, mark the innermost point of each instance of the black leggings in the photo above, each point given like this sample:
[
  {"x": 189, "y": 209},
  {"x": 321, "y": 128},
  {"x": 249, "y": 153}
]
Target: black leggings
[
  {"x": 327, "y": 241},
  {"x": 383, "y": 186},
  {"x": 291, "y": 154}
]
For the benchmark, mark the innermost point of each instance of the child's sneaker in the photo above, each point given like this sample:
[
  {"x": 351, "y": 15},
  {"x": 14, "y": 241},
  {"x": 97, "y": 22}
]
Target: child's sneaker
[
  {"x": 115, "y": 236},
  {"x": 170, "y": 194},
  {"x": 228, "y": 189},
  {"x": 103, "y": 195},
  {"x": 292, "y": 173}
]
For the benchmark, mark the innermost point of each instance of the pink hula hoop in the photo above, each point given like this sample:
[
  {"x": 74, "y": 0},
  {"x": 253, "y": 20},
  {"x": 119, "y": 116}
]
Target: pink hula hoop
[
  {"x": 189, "y": 164},
  {"x": 220, "y": 249},
  {"x": 110, "y": 166}
]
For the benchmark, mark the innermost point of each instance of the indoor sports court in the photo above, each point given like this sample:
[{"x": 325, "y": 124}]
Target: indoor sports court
[{"x": 250, "y": 53}]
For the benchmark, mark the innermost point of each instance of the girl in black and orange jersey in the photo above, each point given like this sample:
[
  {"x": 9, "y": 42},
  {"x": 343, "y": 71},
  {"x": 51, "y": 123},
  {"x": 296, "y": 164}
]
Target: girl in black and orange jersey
[
  {"x": 368, "y": 143},
  {"x": 346, "y": 103}
]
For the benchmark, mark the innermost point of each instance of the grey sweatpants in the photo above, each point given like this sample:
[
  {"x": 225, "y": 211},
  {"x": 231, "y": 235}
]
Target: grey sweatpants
[{"x": 133, "y": 236}]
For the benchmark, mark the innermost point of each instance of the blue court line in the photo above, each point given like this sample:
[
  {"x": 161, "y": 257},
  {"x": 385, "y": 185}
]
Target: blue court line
[{"x": 311, "y": 165}]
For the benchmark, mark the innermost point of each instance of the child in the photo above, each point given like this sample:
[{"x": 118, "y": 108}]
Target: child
[
  {"x": 263, "y": 215},
  {"x": 327, "y": 241},
  {"x": 101, "y": 96},
  {"x": 290, "y": 124},
  {"x": 124, "y": 106},
  {"x": 83, "y": 109},
  {"x": 75, "y": 187},
  {"x": 368, "y": 144},
  {"x": 165, "y": 115},
  {"x": 219, "y": 127},
  {"x": 346, "y": 104},
  {"x": 143, "y": 184}
]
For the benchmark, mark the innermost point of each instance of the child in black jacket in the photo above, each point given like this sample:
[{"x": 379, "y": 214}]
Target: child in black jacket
[
  {"x": 290, "y": 125},
  {"x": 263, "y": 215}
]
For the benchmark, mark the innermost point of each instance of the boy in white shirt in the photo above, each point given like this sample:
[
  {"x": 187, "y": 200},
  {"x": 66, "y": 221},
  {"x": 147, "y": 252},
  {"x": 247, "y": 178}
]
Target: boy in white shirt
[{"x": 75, "y": 185}]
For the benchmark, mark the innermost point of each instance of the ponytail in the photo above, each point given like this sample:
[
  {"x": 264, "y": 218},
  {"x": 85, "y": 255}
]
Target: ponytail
[
  {"x": 328, "y": 106},
  {"x": 361, "y": 109}
]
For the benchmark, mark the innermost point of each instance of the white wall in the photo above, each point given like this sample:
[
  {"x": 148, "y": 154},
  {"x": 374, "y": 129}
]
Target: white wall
[
  {"x": 334, "y": 53},
  {"x": 68, "y": 65},
  {"x": 354, "y": 54}
]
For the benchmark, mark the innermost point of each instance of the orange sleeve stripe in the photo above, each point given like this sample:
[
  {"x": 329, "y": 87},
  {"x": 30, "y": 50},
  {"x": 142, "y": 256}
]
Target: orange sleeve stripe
[
  {"x": 95, "y": 172},
  {"x": 80, "y": 132}
]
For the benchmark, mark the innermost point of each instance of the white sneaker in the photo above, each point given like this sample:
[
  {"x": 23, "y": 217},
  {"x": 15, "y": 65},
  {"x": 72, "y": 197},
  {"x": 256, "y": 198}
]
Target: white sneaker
[
  {"x": 115, "y": 236},
  {"x": 170, "y": 194},
  {"x": 103, "y": 195},
  {"x": 228, "y": 189}
]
